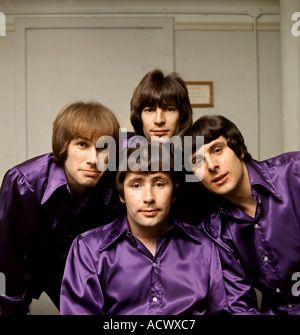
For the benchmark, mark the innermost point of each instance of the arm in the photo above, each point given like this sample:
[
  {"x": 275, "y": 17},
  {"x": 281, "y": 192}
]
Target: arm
[
  {"x": 229, "y": 287},
  {"x": 240, "y": 293},
  {"x": 217, "y": 299},
  {"x": 81, "y": 292},
  {"x": 18, "y": 217}
]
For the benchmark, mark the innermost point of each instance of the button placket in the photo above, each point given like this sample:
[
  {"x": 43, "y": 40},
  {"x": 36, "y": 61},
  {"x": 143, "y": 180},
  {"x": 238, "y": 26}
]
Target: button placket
[
  {"x": 266, "y": 262},
  {"x": 155, "y": 292}
]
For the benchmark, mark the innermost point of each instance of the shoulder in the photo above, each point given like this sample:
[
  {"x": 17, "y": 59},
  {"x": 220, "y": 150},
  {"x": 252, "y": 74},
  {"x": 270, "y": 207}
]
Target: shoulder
[
  {"x": 282, "y": 160},
  {"x": 32, "y": 172},
  {"x": 196, "y": 233},
  {"x": 34, "y": 168},
  {"x": 96, "y": 238}
]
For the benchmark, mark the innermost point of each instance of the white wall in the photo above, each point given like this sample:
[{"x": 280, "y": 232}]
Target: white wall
[{"x": 58, "y": 51}]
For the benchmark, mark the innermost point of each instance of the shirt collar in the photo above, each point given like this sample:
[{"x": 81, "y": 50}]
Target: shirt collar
[
  {"x": 56, "y": 179},
  {"x": 258, "y": 175},
  {"x": 120, "y": 227},
  {"x": 191, "y": 231}
]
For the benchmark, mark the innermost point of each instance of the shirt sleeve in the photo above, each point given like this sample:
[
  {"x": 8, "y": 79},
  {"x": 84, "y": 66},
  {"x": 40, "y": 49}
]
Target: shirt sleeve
[
  {"x": 81, "y": 292},
  {"x": 240, "y": 293},
  {"x": 217, "y": 299},
  {"x": 18, "y": 216}
]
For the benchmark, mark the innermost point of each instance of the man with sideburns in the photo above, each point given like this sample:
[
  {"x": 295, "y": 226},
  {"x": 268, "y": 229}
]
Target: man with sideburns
[
  {"x": 256, "y": 210},
  {"x": 46, "y": 201},
  {"x": 147, "y": 262}
]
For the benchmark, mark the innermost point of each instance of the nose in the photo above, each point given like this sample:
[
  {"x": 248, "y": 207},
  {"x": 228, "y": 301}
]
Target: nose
[
  {"x": 92, "y": 156},
  {"x": 148, "y": 195},
  {"x": 159, "y": 117},
  {"x": 211, "y": 163}
]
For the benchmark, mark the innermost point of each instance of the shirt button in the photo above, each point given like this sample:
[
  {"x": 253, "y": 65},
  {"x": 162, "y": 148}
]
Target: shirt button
[
  {"x": 266, "y": 258},
  {"x": 154, "y": 265},
  {"x": 290, "y": 305},
  {"x": 277, "y": 290},
  {"x": 256, "y": 225},
  {"x": 154, "y": 299}
]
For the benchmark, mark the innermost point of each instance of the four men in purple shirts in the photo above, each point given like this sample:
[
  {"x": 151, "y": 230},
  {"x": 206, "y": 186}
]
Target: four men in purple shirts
[{"x": 161, "y": 108}]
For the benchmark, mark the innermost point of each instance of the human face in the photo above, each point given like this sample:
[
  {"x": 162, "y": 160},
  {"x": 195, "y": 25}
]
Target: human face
[
  {"x": 148, "y": 198},
  {"x": 161, "y": 123},
  {"x": 80, "y": 165},
  {"x": 224, "y": 173}
]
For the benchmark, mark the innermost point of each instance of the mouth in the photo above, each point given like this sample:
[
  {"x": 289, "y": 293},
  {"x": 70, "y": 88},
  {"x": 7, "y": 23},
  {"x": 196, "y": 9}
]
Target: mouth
[
  {"x": 220, "y": 179},
  {"x": 160, "y": 132},
  {"x": 149, "y": 212},
  {"x": 91, "y": 173}
]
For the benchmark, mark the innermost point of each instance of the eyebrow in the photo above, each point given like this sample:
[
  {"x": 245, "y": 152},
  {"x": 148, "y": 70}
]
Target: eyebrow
[
  {"x": 209, "y": 148},
  {"x": 134, "y": 179},
  {"x": 137, "y": 179},
  {"x": 216, "y": 144},
  {"x": 83, "y": 138},
  {"x": 160, "y": 176}
]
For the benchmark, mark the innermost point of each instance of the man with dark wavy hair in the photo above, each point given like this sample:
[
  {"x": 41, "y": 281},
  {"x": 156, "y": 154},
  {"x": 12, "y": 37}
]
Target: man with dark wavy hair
[{"x": 257, "y": 211}]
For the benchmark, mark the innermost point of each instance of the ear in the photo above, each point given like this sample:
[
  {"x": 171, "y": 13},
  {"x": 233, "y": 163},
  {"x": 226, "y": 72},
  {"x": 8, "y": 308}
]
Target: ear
[
  {"x": 121, "y": 199},
  {"x": 242, "y": 156}
]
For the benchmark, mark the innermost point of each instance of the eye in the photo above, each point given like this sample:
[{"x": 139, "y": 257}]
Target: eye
[
  {"x": 218, "y": 150},
  {"x": 135, "y": 185},
  {"x": 199, "y": 161},
  {"x": 82, "y": 144},
  {"x": 171, "y": 109},
  {"x": 148, "y": 109},
  {"x": 159, "y": 184}
]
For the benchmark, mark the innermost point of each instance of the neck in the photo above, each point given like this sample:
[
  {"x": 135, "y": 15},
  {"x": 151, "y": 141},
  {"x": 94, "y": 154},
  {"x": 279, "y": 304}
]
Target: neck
[
  {"x": 242, "y": 197},
  {"x": 149, "y": 235}
]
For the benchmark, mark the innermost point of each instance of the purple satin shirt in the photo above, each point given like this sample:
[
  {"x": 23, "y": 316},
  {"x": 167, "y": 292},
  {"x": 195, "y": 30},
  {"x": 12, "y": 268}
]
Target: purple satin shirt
[
  {"x": 269, "y": 244},
  {"x": 109, "y": 271},
  {"x": 39, "y": 218}
]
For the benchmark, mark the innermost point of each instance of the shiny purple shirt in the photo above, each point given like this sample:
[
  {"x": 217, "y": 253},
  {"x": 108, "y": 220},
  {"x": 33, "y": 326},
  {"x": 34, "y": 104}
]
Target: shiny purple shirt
[
  {"x": 39, "y": 218},
  {"x": 269, "y": 244},
  {"x": 109, "y": 271}
]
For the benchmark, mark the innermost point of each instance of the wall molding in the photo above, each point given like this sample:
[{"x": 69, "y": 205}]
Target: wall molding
[
  {"x": 22, "y": 25},
  {"x": 205, "y": 26},
  {"x": 266, "y": 26}
]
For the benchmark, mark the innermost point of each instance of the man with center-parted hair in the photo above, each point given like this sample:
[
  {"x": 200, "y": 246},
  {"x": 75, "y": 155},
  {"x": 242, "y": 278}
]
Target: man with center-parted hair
[
  {"x": 160, "y": 106},
  {"x": 147, "y": 262},
  {"x": 48, "y": 200},
  {"x": 160, "y": 109}
]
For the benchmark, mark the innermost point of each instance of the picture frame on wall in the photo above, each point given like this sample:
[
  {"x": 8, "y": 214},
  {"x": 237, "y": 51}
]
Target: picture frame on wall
[{"x": 200, "y": 93}]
